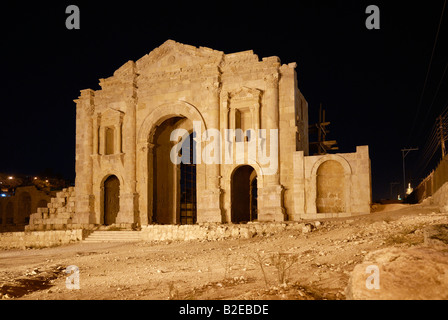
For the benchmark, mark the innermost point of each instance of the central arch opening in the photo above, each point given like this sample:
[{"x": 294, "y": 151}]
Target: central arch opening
[
  {"x": 244, "y": 194},
  {"x": 174, "y": 185}
]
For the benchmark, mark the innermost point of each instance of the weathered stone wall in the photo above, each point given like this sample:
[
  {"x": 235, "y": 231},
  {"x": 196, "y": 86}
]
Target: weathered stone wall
[
  {"x": 38, "y": 239},
  {"x": 355, "y": 181},
  {"x": 198, "y": 232}
]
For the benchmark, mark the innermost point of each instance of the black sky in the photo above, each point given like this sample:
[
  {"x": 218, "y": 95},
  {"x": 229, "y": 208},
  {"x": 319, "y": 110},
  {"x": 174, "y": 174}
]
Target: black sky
[{"x": 369, "y": 81}]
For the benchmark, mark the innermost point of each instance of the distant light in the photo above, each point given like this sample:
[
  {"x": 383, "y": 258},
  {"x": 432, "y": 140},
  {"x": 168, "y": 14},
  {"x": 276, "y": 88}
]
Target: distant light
[
  {"x": 2, "y": 195},
  {"x": 46, "y": 180},
  {"x": 35, "y": 178},
  {"x": 10, "y": 178}
]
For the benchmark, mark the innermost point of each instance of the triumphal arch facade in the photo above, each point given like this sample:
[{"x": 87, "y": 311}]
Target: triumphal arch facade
[{"x": 191, "y": 135}]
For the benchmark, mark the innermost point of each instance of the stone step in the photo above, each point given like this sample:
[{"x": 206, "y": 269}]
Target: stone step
[{"x": 113, "y": 236}]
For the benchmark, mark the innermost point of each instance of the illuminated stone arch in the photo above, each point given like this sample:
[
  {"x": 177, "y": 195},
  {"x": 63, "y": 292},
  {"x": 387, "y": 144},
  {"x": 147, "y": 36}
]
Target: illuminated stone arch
[{"x": 145, "y": 146}]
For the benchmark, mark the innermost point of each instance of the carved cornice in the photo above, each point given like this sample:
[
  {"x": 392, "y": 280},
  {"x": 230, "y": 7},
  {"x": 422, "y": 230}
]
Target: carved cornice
[{"x": 171, "y": 48}]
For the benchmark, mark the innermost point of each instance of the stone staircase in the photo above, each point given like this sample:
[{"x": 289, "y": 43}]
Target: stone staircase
[
  {"x": 58, "y": 215},
  {"x": 113, "y": 236}
]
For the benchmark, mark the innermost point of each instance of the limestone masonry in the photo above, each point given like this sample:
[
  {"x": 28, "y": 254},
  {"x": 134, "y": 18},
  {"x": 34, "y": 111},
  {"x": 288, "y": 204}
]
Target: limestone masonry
[{"x": 124, "y": 175}]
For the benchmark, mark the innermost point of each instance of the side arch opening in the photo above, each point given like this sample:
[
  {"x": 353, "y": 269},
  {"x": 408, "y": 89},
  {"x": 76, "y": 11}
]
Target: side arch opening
[
  {"x": 330, "y": 188},
  {"x": 244, "y": 194},
  {"x": 111, "y": 200}
]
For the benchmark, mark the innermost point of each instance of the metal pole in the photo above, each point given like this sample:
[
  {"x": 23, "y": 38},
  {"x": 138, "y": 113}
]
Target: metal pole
[
  {"x": 442, "y": 138},
  {"x": 404, "y": 173},
  {"x": 391, "y": 186}
]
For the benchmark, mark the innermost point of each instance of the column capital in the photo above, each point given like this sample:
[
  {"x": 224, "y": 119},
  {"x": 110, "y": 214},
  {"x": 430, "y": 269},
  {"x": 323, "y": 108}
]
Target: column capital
[
  {"x": 212, "y": 86},
  {"x": 272, "y": 79},
  {"x": 145, "y": 146}
]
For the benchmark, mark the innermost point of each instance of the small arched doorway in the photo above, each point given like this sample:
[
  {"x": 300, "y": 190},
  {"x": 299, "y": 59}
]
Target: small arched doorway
[
  {"x": 244, "y": 194},
  {"x": 9, "y": 213},
  {"x": 111, "y": 199},
  {"x": 330, "y": 188}
]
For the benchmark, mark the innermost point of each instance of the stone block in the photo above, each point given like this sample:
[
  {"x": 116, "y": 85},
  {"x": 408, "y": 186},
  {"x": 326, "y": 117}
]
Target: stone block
[{"x": 246, "y": 233}]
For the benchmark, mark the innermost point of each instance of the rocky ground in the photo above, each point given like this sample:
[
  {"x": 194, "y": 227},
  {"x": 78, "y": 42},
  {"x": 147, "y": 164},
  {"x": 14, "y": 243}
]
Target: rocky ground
[{"x": 315, "y": 263}]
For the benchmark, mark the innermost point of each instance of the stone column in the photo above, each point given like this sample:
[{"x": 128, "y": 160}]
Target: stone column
[
  {"x": 255, "y": 111},
  {"x": 209, "y": 200},
  {"x": 96, "y": 126},
  {"x": 102, "y": 139},
  {"x": 229, "y": 123},
  {"x": 145, "y": 158},
  {"x": 126, "y": 143},
  {"x": 272, "y": 118},
  {"x": 84, "y": 165},
  {"x": 272, "y": 192}
]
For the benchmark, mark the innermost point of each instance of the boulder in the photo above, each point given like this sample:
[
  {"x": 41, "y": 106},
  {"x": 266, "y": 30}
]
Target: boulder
[
  {"x": 436, "y": 235},
  {"x": 418, "y": 273},
  {"x": 308, "y": 227}
]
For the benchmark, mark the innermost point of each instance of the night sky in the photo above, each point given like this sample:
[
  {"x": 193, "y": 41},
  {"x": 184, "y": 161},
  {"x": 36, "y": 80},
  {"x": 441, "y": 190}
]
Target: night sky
[{"x": 369, "y": 81}]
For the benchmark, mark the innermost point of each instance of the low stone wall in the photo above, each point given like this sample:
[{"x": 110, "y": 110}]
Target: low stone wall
[
  {"x": 49, "y": 238},
  {"x": 40, "y": 239},
  {"x": 219, "y": 231}
]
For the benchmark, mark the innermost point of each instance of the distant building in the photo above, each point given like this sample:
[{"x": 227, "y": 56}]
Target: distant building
[
  {"x": 21, "y": 195},
  {"x": 16, "y": 208}
]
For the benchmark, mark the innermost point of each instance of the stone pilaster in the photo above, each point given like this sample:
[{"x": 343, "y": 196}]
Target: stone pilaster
[
  {"x": 272, "y": 199},
  {"x": 145, "y": 187},
  {"x": 272, "y": 118},
  {"x": 211, "y": 197},
  {"x": 127, "y": 144},
  {"x": 271, "y": 194},
  {"x": 84, "y": 149}
]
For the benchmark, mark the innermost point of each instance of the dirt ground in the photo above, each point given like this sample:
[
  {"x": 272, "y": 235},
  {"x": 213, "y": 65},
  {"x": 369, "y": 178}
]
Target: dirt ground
[{"x": 290, "y": 265}]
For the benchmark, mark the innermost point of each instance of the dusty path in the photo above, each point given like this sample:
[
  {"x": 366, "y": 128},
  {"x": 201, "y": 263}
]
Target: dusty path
[{"x": 321, "y": 262}]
